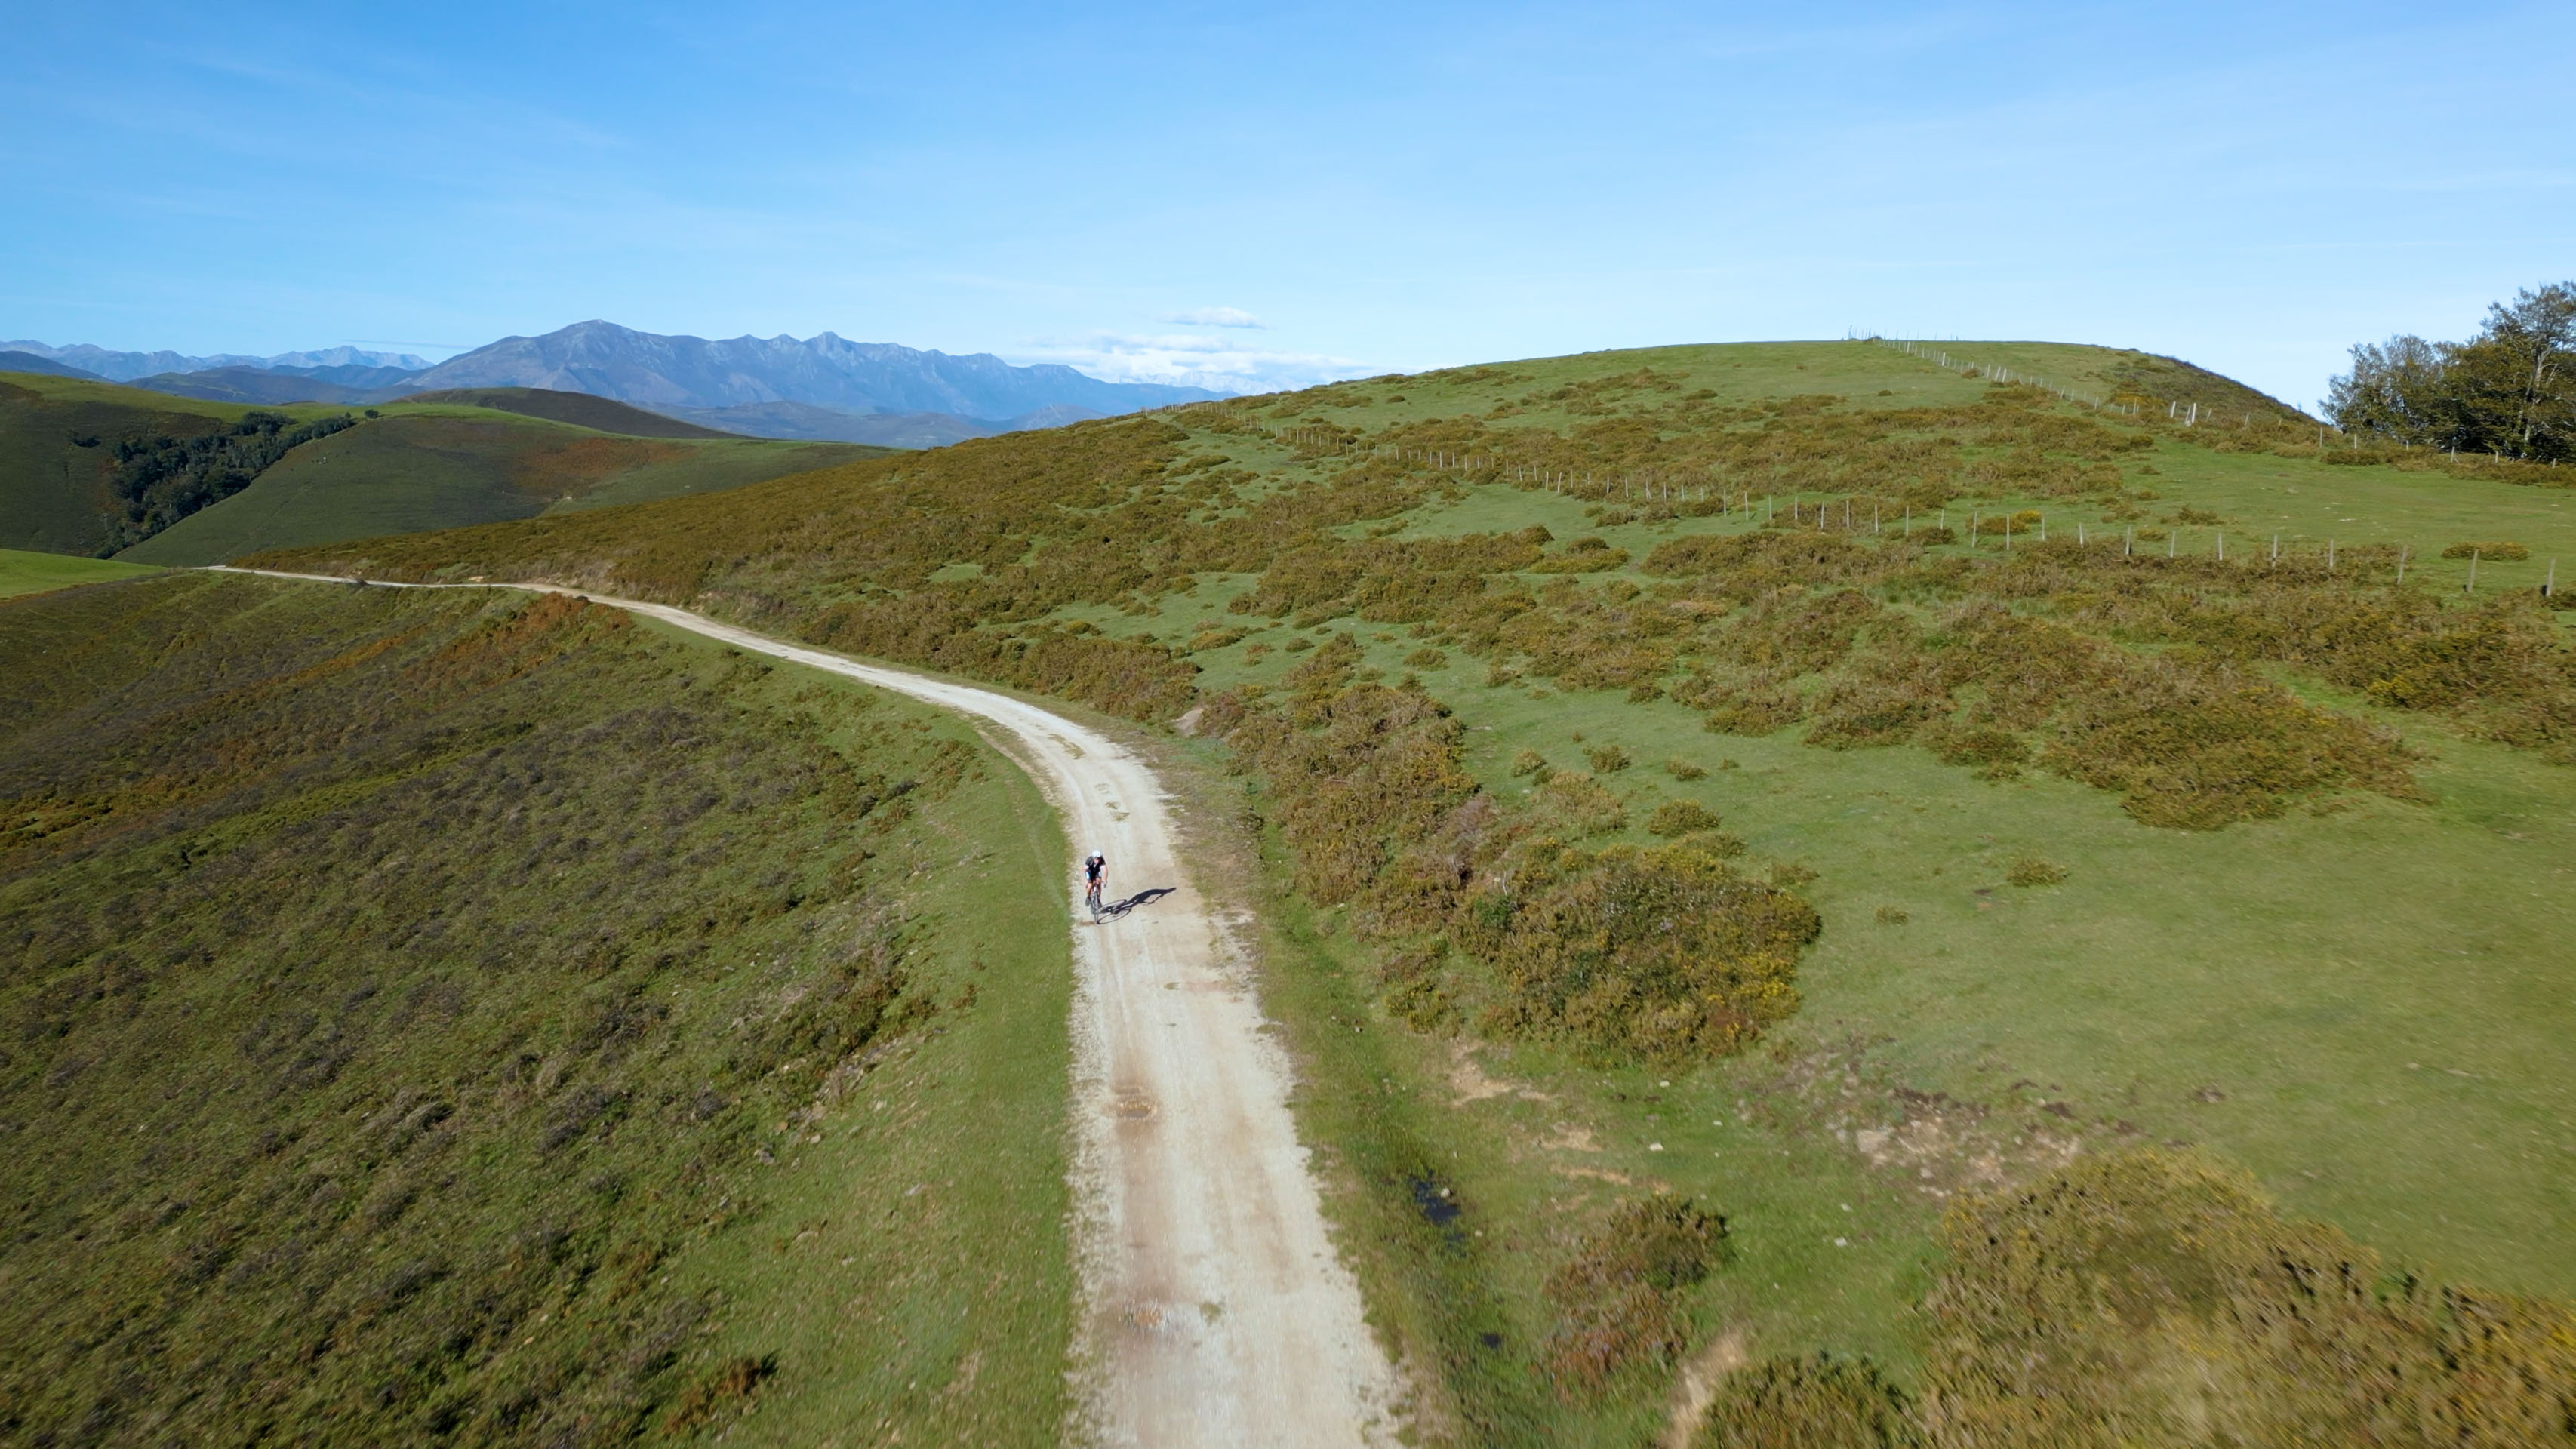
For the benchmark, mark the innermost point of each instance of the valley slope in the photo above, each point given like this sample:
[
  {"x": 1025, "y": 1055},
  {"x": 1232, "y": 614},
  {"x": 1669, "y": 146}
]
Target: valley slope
[{"x": 469, "y": 1017}]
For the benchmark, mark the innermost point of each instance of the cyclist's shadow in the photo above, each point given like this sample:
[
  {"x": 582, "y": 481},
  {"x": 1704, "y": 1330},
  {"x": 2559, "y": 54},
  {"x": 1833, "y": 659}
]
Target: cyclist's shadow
[{"x": 1114, "y": 909}]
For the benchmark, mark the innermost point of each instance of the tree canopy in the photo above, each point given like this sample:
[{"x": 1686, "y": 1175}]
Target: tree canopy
[{"x": 2509, "y": 390}]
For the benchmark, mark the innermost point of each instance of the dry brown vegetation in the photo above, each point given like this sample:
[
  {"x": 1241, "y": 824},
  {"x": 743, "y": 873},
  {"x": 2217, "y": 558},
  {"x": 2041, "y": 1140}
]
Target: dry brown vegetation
[{"x": 1619, "y": 1300}]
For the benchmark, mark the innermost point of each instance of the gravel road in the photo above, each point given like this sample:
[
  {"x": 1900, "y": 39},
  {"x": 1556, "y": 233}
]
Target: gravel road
[{"x": 1217, "y": 1312}]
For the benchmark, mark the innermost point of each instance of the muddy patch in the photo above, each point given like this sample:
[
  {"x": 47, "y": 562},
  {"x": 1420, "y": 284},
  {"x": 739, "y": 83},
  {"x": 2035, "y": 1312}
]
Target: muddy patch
[
  {"x": 1697, "y": 1386},
  {"x": 1469, "y": 1081}
]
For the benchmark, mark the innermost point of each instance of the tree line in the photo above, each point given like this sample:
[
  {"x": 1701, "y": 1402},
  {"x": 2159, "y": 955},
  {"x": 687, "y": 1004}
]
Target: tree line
[
  {"x": 2510, "y": 390},
  {"x": 161, "y": 478}
]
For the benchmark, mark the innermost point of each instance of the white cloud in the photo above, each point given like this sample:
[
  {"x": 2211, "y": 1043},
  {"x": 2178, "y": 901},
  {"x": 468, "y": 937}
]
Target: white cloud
[
  {"x": 1217, "y": 363},
  {"x": 1216, "y": 317}
]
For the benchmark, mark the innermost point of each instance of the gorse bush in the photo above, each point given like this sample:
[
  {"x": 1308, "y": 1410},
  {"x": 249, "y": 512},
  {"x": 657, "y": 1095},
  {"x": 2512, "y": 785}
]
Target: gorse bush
[
  {"x": 1665, "y": 954},
  {"x": 2493, "y": 551},
  {"x": 2032, "y": 871},
  {"x": 1681, "y": 817},
  {"x": 1618, "y": 1301},
  {"x": 1808, "y": 1403},
  {"x": 2151, "y": 1297}
]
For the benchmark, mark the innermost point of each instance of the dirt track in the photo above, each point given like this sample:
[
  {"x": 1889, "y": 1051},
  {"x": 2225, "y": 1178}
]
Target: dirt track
[{"x": 1217, "y": 1311}]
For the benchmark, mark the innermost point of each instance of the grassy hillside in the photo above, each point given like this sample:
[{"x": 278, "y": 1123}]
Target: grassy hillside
[
  {"x": 418, "y": 464},
  {"x": 600, "y": 414},
  {"x": 23, "y": 572},
  {"x": 431, "y": 466},
  {"x": 57, "y": 439},
  {"x": 467, "y": 1017},
  {"x": 1831, "y": 787}
]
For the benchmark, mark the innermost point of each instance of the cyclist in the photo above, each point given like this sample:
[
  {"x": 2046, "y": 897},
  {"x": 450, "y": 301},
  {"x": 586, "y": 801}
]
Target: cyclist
[{"x": 1094, "y": 866}]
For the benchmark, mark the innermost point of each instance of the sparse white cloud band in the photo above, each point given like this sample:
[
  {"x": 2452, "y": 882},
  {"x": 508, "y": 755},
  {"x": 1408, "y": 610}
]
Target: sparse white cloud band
[
  {"x": 1217, "y": 363},
  {"x": 1216, "y": 317}
]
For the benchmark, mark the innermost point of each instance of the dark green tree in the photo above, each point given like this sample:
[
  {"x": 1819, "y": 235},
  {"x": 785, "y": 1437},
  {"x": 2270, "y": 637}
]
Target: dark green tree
[{"x": 2510, "y": 390}]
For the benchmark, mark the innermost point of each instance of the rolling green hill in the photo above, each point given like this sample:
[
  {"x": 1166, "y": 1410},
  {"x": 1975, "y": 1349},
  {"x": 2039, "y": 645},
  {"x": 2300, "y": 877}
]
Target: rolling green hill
[
  {"x": 25, "y": 572},
  {"x": 606, "y": 415},
  {"x": 467, "y": 1017},
  {"x": 415, "y": 464},
  {"x": 430, "y": 466},
  {"x": 57, "y": 439},
  {"x": 2023, "y": 777}
]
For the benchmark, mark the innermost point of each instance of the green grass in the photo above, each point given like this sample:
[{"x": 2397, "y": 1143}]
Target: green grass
[
  {"x": 470, "y": 1016},
  {"x": 22, "y": 572}
]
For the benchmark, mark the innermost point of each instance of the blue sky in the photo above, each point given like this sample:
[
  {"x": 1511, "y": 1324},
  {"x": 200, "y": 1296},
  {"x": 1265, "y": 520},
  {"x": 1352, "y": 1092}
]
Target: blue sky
[{"x": 1377, "y": 187}]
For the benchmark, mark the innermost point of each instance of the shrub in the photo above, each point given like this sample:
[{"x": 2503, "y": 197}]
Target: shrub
[
  {"x": 2493, "y": 551},
  {"x": 729, "y": 1381},
  {"x": 1426, "y": 658},
  {"x": 1808, "y": 1403},
  {"x": 1665, "y": 953},
  {"x": 1893, "y": 916},
  {"x": 2066, "y": 1308},
  {"x": 1681, "y": 769},
  {"x": 1681, "y": 817},
  {"x": 1607, "y": 759},
  {"x": 2032, "y": 871},
  {"x": 1577, "y": 806},
  {"x": 1618, "y": 1303},
  {"x": 1996, "y": 754},
  {"x": 1529, "y": 762}
]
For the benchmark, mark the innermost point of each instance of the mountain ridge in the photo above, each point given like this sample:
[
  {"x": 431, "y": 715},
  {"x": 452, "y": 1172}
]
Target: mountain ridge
[
  {"x": 117, "y": 366},
  {"x": 825, "y": 370},
  {"x": 821, "y": 387}
]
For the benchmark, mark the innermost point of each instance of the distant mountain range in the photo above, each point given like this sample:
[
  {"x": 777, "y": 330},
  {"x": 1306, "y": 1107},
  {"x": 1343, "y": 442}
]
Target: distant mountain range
[
  {"x": 130, "y": 366},
  {"x": 822, "y": 387}
]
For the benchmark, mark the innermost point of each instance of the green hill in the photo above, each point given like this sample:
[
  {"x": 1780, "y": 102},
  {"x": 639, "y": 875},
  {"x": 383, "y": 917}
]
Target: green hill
[
  {"x": 469, "y": 1017},
  {"x": 57, "y": 450},
  {"x": 1832, "y": 786},
  {"x": 414, "y": 464},
  {"x": 431, "y": 466},
  {"x": 602, "y": 414},
  {"x": 24, "y": 572}
]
